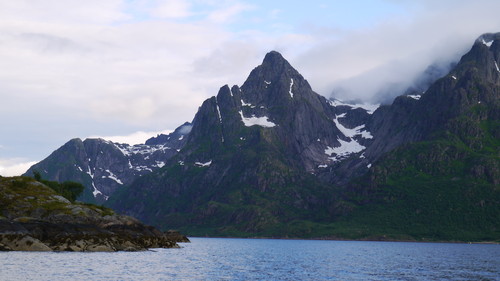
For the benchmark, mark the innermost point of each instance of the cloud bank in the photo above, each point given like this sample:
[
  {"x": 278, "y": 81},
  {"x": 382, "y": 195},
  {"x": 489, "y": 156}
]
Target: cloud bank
[
  {"x": 359, "y": 64},
  {"x": 139, "y": 137},
  {"x": 14, "y": 167}
]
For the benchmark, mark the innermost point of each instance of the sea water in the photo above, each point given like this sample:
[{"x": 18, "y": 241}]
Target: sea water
[{"x": 264, "y": 259}]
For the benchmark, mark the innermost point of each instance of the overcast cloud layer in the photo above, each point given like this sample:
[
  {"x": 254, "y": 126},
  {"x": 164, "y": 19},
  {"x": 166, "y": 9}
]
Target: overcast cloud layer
[{"x": 120, "y": 67}]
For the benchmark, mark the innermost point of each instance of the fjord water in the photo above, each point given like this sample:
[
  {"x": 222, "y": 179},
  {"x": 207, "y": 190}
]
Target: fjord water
[{"x": 264, "y": 259}]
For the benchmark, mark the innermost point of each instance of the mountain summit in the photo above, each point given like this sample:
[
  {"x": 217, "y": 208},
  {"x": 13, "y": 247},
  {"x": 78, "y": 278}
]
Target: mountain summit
[{"x": 258, "y": 147}]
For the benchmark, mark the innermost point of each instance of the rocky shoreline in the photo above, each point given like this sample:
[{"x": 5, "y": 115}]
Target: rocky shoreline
[
  {"x": 34, "y": 218},
  {"x": 38, "y": 235}
]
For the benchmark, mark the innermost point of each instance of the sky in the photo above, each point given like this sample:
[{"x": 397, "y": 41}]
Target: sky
[{"x": 126, "y": 70}]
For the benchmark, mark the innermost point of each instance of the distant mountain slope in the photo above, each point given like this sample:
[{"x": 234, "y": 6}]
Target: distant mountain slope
[{"x": 103, "y": 166}]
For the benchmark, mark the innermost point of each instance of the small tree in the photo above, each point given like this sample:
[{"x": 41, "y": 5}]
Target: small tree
[
  {"x": 37, "y": 175},
  {"x": 71, "y": 190}
]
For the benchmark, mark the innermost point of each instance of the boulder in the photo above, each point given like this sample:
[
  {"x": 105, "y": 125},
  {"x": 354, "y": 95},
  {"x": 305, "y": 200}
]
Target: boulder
[{"x": 23, "y": 243}]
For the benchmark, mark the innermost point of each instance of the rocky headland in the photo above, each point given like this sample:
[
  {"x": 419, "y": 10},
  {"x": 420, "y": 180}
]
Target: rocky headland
[{"x": 33, "y": 217}]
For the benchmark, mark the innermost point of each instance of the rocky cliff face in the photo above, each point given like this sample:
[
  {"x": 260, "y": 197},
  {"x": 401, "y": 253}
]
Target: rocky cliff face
[
  {"x": 277, "y": 100},
  {"x": 258, "y": 146},
  {"x": 473, "y": 82},
  {"x": 438, "y": 169}
]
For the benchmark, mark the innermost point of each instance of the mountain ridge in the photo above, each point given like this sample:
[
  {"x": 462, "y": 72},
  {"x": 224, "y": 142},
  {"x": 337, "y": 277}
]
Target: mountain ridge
[{"x": 273, "y": 158}]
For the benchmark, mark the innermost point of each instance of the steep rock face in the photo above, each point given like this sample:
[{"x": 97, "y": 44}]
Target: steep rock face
[
  {"x": 473, "y": 82},
  {"x": 256, "y": 146},
  {"x": 276, "y": 97},
  {"x": 438, "y": 173},
  {"x": 103, "y": 166},
  {"x": 174, "y": 140}
]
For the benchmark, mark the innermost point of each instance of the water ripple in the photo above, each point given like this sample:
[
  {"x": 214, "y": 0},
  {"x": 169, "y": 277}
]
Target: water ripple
[{"x": 264, "y": 259}]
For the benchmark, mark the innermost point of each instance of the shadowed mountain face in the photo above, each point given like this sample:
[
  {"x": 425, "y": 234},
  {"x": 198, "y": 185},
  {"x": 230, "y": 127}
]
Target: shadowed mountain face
[
  {"x": 274, "y": 158},
  {"x": 104, "y": 167},
  {"x": 252, "y": 157}
]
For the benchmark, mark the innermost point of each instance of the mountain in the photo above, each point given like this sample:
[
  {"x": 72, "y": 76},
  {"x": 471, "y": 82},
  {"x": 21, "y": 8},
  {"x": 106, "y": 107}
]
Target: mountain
[
  {"x": 103, "y": 166},
  {"x": 273, "y": 158},
  {"x": 251, "y": 157},
  {"x": 436, "y": 170}
]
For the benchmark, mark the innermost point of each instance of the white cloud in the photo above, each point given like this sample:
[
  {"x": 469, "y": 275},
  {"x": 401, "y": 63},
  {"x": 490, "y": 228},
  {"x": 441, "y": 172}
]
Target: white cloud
[
  {"x": 171, "y": 9},
  {"x": 14, "y": 166},
  {"x": 68, "y": 11},
  {"x": 139, "y": 137},
  {"x": 363, "y": 62},
  {"x": 227, "y": 13},
  {"x": 133, "y": 72}
]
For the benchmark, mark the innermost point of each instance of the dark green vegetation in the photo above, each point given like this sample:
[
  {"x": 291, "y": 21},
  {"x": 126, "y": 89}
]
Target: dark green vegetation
[
  {"x": 26, "y": 197},
  {"x": 433, "y": 190},
  {"x": 68, "y": 189}
]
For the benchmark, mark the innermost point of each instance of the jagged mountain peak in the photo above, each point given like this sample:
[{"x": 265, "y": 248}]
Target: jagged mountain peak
[
  {"x": 488, "y": 38},
  {"x": 487, "y": 44},
  {"x": 175, "y": 139},
  {"x": 277, "y": 99},
  {"x": 483, "y": 60},
  {"x": 275, "y": 58},
  {"x": 275, "y": 80},
  {"x": 275, "y": 66}
]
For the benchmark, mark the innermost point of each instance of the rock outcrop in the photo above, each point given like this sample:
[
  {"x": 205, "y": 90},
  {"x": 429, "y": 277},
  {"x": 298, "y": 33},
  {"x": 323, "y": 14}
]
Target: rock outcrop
[{"x": 34, "y": 218}]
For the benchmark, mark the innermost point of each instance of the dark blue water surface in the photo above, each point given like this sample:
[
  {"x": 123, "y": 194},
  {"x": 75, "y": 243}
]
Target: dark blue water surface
[{"x": 264, "y": 259}]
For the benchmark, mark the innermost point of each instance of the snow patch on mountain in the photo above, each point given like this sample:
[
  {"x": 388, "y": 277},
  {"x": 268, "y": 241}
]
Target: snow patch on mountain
[
  {"x": 259, "y": 121},
  {"x": 79, "y": 168},
  {"x": 89, "y": 172},
  {"x": 370, "y": 108},
  {"x": 350, "y": 133},
  {"x": 247, "y": 104},
  {"x": 345, "y": 149},
  {"x": 488, "y": 44},
  {"x": 142, "y": 168},
  {"x": 97, "y": 192},
  {"x": 113, "y": 177},
  {"x": 206, "y": 164},
  {"x": 144, "y": 149},
  {"x": 218, "y": 111}
]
